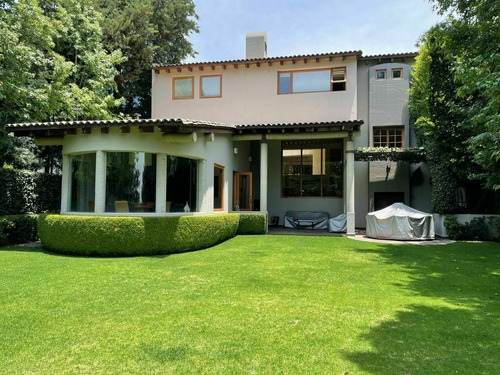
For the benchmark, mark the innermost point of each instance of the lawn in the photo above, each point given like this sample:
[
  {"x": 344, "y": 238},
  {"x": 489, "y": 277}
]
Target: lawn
[{"x": 255, "y": 304}]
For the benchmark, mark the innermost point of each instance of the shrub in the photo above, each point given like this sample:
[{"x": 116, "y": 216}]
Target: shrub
[
  {"x": 128, "y": 236},
  {"x": 28, "y": 192},
  {"x": 476, "y": 230},
  {"x": 252, "y": 223},
  {"x": 16, "y": 229},
  {"x": 495, "y": 227}
]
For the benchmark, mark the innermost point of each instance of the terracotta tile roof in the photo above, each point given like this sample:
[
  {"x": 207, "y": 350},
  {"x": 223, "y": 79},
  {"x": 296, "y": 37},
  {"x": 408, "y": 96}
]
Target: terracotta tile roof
[
  {"x": 389, "y": 56},
  {"x": 264, "y": 59}
]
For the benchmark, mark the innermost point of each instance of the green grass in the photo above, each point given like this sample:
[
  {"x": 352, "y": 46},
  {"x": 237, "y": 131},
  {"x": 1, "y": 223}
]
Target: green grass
[{"x": 255, "y": 304}]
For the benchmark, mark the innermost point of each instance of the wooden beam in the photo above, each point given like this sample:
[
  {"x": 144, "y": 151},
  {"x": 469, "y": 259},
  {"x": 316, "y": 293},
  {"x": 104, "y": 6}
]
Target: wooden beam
[
  {"x": 269, "y": 63},
  {"x": 293, "y": 62},
  {"x": 105, "y": 130},
  {"x": 86, "y": 130},
  {"x": 224, "y": 66},
  {"x": 305, "y": 61},
  {"x": 146, "y": 129},
  {"x": 71, "y": 131},
  {"x": 200, "y": 68},
  {"x": 330, "y": 58},
  {"x": 213, "y": 67},
  {"x": 179, "y": 70},
  {"x": 247, "y": 65},
  {"x": 190, "y": 69},
  {"x": 168, "y": 70},
  {"x": 124, "y": 129},
  {"x": 210, "y": 137},
  {"x": 281, "y": 62},
  {"x": 235, "y": 66},
  {"x": 258, "y": 65},
  {"x": 317, "y": 59}
]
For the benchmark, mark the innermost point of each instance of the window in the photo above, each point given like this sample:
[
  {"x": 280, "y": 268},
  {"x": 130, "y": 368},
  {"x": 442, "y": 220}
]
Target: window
[
  {"x": 211, "y": 86},
  {"x": 182, "y": 88},
  {"x": 130, "y": 182},
  {"x": 312, "y": 81},
  {"x": 218, "y": 187},
  {"x": 397, "y": 73},
  {"x": 82, "y": 188},
  {"x": 181, "y": 183},
  {"x": 312, "y": 168},
  {"x": 380, "y": 74},
  {"x": 388, "y": 137}
]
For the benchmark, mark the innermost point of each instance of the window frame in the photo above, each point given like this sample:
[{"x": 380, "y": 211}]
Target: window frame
[
  {"x": 380, "y": 70},
  {"x": 331, "y": 69},
  {"x": 389, "y": 128},
  {"x": 220, "y": 86},
  {"x": 221, "y": 188},
  {"x": 394, "y": 70},
  {"x": 173, "y": 87},
  {"x": 341, "y": 196}
]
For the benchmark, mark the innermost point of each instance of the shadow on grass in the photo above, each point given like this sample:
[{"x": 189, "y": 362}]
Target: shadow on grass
[
  {"x": 164, "y": 355},
  {"x": 457, "y": 335}
]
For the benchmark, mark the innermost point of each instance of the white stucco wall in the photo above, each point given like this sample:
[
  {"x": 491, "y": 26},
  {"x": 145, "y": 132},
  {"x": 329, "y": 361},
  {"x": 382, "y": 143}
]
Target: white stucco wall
[
  {"x": 250, "y": 95},
  {"x": 218, "y": 152}
]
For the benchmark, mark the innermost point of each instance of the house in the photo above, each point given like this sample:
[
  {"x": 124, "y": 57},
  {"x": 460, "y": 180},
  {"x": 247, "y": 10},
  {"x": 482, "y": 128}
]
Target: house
[{"x": 268, "y": 134}]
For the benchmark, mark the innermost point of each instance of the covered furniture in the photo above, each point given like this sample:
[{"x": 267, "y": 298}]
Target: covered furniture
[
  {"x": 400, "y": 222},
  {"x": 338, "y": 224},
  {"x": 306, "y": 219}
]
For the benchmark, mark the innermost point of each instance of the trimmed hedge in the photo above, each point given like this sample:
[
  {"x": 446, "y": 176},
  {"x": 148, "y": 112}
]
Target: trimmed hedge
[
  {"x": 252, "y": 223},
  {"x": 16, "y": 229},
  {"x": 130, "y": 236},
  {"x": 478, "y": 229},
  {"x": 23, "y": 192}
]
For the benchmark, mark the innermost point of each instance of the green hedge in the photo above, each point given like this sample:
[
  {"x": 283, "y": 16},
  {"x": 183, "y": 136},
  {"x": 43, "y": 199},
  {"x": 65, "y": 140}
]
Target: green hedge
[
  {"x": 478, "y": 229},
  {"x": 24, "y": 192},
  {"x": 16, "y": 229},
  {"x": 252, "y": 223},
  {"x": 128, "y": 236}
]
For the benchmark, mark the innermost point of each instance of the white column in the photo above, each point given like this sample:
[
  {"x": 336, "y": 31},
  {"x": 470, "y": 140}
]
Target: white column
[
  {"x": 100, "y": 182},
  {"x": 349, "y": 193},
  {"x": 66, "y": 182},
  {"x": 161, "y": 183},
  {"x": 263, "y": 177},
  {"x": 202, "y": 187}
]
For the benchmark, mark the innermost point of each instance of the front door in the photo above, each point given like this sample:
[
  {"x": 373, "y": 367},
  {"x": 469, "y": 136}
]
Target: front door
[{"x": 242, "y": 194}]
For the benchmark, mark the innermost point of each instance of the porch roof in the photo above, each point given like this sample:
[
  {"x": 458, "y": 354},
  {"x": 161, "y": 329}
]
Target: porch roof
[{"x": 175, "y": 125}]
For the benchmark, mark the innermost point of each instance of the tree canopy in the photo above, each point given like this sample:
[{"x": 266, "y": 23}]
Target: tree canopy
[
  {"x": 53, "y": 65},
  {"x": 455, "y": 99},
  {"x": 147, "y": 32}
]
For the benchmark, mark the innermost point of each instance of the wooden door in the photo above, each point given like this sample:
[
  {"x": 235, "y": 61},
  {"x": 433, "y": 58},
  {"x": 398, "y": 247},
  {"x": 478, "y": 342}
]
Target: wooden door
[{"x": 242, "y": 194}]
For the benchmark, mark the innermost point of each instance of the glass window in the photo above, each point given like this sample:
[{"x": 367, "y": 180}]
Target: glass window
[
  {"x": 312, "y": 169},
  {"x": 130, "y": 182},
  {"x": 181, "y": 184},
  {"x": 312, "y": 81},
  {"x": 82, "y": 182},
  {"x": 380, "y": 74},
  {"x": 388, "y": 137},
  {"x": 397, "y": 73},
  {"x": 211, "y": 86},
  {"x": 218, "y": 187},
  {"x": 317, "y": 80},
  {"x": 183, "y": 87},
  {"x": 284, "y": 83}
]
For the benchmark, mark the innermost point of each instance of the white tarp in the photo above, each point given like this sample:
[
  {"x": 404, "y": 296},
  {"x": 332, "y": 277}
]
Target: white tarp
[
  {"x": 400, "y": 222},
  {"x": 338, "y": 224}
]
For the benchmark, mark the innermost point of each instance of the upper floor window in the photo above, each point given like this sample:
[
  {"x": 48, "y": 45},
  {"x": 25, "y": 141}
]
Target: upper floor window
[
  {"x": 388, "y": 136},
  {"x": 380, "y": 74},
  {"x": 397, "y": 73},
  {"x": 211, "y": 86},
  {"x": 182, "y": 88},
  {"x": 312, "y": 81}
]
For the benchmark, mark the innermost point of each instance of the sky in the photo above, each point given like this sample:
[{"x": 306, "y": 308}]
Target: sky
[{"x": 299, "y": 27}]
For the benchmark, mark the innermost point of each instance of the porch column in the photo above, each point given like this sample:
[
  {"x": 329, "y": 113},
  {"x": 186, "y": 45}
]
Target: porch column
[
  {"x": 202, "y": 188},
  {"x": 349, "y": 191},
  {"x": 65, "y": 188},
  {"x": 263, "y": 177},
  {"x": 161, "y": 183},
  {"x": 100, "y": 182}
]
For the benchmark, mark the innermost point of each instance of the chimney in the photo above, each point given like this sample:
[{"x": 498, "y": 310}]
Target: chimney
[{"x": 256, "y": 45}]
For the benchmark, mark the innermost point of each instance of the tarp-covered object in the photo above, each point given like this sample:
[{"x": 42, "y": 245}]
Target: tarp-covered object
[
  {"x": 306, "y": 219},
  {"x": 338, "y": 224},
  {"x": 400, "y": 222}
]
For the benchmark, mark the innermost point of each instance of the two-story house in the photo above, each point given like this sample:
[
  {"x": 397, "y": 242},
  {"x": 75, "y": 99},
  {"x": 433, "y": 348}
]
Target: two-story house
[{"x": 269, "y": 134}]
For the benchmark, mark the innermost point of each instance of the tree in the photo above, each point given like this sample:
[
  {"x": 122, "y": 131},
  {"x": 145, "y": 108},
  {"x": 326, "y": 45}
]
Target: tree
[
  {"x": 454, "y": 100},
  {"x": 53, "y": 65},
  {"x": 147, "y": 32}
]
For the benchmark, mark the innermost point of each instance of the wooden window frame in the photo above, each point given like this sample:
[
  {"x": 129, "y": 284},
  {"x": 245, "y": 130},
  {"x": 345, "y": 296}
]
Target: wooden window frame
[
  {"x": 387, "y": 135},
  {"x": 394, "y": 70},
  {"x": 173, "y": 87},
  {"x": 385, "y": 74},
  {"x": 201, "y": 86},
  {"x": 331, "y": 69},
  {"x": 221, "y": 188},
  {"x": 341, "y": 196}
]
